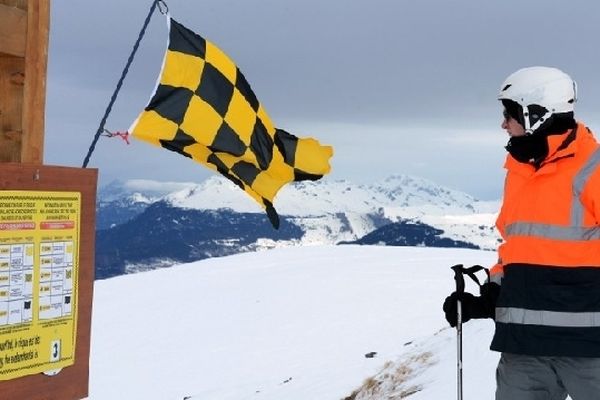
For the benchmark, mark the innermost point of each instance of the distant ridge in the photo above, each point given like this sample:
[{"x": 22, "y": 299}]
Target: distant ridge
[{"x": 147, "y": 224}]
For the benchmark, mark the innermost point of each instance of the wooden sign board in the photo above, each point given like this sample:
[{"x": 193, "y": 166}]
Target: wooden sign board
[
  {"x": 49, "y": 186},
  {"x": 24, "y": 27},
  {"x": 47, "y": 228}
]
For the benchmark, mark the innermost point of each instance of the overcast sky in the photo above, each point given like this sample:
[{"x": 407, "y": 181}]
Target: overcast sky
[{"x": 396, "y": 86}]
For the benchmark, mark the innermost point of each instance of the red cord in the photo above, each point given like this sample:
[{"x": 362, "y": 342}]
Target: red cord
[{"x": 122, "y": 135}]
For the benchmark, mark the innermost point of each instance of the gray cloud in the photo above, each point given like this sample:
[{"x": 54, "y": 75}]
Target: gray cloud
[{"x": 396, "y": 86}]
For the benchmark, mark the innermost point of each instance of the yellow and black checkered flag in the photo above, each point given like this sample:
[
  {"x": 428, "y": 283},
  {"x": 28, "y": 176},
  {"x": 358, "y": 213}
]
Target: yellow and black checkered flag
[{"x": 204, "y": 108}]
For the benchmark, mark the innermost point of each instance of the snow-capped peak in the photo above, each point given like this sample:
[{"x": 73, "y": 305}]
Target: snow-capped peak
[
  {"x": 140, "y": 190},
  {"x": 330, "y": 197},
  {"x": 330, "y": 211}
]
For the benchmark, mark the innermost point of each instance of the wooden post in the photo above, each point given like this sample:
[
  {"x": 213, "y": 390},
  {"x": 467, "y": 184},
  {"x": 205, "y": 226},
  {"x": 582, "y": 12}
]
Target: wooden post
[{"x": 24, "y": 32}]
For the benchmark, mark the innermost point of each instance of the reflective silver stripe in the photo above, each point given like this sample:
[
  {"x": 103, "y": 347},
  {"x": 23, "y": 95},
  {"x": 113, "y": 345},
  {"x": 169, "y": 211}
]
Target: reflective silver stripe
[
  {"x": 497, "y": 278},
  {"x": 579, "y": 183},
  {"x": 523, "y": 316},
  {"x": 576, "y": 231},
  {"x": 556, "y": 232}
]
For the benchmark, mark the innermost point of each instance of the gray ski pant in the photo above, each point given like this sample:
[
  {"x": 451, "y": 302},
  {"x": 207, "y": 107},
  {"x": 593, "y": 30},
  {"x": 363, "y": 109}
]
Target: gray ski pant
[{"x": 521, "y": 377}]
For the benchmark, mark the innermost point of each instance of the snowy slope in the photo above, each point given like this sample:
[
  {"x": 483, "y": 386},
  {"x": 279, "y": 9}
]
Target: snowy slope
[
  {"x": 289, "y": 323},
  {"x": 427, "y": 368}
]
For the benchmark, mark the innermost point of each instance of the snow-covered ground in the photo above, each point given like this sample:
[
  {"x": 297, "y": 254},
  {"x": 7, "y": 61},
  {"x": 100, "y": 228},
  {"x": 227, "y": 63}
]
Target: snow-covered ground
[{"x": 288, "y": 323}]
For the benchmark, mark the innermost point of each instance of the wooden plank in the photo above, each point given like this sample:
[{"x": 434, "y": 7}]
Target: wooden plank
[
  {"x": 13, "y": 30},
  {"x": 72, "y": 382},
  {"x": 36, "y": 62},
  {"x": 11, "y": 108},
  {"x": 22, "y": 4}
]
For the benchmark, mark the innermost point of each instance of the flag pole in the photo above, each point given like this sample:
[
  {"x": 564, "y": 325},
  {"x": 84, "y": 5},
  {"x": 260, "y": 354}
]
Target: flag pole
[{"x": 155, "y": 3}]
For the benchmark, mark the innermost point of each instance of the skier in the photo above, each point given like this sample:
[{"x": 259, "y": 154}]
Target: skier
[{"x": 544, "y": 292}]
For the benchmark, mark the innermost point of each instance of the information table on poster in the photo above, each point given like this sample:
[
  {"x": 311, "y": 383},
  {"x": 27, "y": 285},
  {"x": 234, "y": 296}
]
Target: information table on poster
[{"x": 39, "y": 236}]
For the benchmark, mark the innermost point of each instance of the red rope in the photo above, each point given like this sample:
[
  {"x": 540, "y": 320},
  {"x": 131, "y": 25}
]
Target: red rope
[{"x": 122, "y": 135}]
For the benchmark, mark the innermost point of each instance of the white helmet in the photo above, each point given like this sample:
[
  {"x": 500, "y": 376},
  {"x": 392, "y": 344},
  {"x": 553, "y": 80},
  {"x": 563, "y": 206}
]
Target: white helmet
[{"x": 545, "y": 87}]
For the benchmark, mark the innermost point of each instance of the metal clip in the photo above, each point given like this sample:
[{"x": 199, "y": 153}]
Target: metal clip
[{"x": 162, "y": 7}]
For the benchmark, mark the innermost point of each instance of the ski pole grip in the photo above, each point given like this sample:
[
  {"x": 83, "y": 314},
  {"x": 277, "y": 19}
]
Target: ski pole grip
[{"x": 458, "y": 277}]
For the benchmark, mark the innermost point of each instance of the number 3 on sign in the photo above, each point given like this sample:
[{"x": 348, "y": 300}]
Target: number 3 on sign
[{"x": 55, "y": 350}]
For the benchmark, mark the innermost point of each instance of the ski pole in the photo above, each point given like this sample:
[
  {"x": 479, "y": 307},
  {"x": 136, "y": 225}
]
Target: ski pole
[
  {"x": 459, "y": 272},
  {"x": 460, "y": 288}
]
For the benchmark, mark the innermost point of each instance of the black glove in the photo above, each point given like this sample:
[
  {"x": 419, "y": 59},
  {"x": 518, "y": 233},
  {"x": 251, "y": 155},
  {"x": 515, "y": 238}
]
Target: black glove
[{"x": 483, "y": 306}]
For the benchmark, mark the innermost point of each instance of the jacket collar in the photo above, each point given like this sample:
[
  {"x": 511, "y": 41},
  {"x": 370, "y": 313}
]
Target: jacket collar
[{"x": 560, "y": 147}]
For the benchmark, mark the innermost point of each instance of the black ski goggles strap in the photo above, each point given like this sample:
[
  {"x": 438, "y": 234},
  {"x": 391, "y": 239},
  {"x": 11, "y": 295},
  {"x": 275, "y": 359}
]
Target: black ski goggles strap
[{"x": 460, "y": 271}]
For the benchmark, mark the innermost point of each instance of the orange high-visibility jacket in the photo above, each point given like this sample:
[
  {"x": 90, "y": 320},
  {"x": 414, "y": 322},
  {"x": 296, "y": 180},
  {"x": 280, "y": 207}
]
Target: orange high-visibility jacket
[{"x": 549, "y": 261}]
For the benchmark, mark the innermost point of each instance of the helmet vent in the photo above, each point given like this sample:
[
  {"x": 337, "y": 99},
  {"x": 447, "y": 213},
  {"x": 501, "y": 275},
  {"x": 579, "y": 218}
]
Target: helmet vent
[
  {"x": 506, "y": 87},
  {"x": 571, "y": 101}
]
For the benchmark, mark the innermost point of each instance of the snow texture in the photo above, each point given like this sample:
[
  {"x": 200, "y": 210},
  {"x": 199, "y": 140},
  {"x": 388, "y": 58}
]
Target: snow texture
[{"x": 289, "y": 323}]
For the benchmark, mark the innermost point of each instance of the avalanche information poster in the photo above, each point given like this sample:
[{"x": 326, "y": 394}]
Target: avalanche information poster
[{"x": 39, "y": 238}]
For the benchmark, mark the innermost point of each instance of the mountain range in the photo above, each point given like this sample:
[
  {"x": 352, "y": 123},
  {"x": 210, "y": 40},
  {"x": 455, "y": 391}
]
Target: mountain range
[{"x": 147, "y": 224}]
